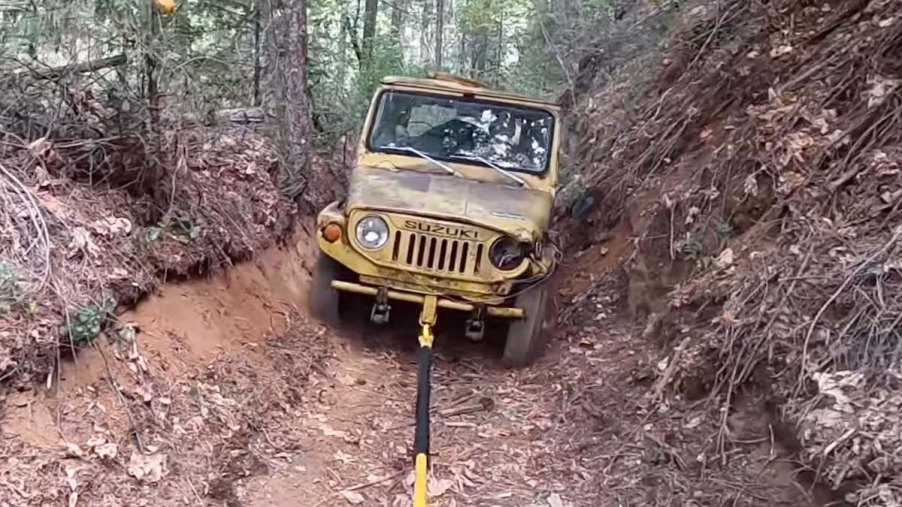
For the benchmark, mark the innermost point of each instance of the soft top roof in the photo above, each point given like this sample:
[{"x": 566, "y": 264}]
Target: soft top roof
[{"x": 451, "y": 83}]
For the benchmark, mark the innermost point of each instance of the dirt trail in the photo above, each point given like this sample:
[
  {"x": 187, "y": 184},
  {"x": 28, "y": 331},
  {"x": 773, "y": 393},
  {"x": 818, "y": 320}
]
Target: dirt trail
[
  {"x": 358, "y": 435},
  {"x": 500, "y": 437}
]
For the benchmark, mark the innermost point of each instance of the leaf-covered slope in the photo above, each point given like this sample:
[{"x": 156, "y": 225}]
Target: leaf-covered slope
[{"x": 769, "y": 141}]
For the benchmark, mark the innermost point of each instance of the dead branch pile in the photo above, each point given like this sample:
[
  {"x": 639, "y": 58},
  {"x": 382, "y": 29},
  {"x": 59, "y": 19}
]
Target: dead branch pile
[
  {"x": 776, "y": 134},
  {"x": 99, "y": 126},
  {"x": 96, "y": 209}
]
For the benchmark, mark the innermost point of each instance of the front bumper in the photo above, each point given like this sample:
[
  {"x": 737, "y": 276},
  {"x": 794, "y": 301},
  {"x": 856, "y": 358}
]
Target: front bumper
[
  {"x": 373, "y": 275},
  {"x": 492, "y": 311}
]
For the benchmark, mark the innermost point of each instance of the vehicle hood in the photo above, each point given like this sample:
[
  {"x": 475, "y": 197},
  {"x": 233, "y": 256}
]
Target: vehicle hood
[{"x": 521, "y": 212}]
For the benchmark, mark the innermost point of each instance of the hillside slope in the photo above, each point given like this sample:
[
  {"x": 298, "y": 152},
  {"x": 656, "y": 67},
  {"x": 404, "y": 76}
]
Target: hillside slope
[{"x": 759, "y": 169}]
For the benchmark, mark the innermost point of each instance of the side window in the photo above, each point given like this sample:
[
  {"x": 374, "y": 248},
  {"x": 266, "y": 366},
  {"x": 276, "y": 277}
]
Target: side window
[{"x": 391, "y": 120}]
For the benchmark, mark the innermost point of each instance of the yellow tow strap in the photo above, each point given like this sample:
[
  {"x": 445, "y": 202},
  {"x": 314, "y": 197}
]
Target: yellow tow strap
[{"x": 424, "y": 372}]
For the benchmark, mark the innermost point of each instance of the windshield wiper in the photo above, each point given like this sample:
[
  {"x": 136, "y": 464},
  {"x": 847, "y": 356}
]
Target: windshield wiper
[
  {"x": 424, "y": 156},
  {"x": 494, "y": 166}
]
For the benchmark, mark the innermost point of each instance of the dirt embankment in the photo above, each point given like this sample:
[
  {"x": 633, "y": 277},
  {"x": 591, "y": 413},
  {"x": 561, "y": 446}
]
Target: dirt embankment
[
  {"x": 74, "y": 252},
  {"x": 167, "y": 406},
  {"x": 757, "y": 165}
]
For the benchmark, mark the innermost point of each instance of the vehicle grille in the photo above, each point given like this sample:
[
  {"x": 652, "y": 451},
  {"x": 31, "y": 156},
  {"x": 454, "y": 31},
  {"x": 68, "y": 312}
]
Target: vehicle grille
[{"x": 441, "y": 255}]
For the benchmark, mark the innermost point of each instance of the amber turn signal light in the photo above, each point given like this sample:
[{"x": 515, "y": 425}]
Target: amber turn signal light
[{"x": 332, "y": 232}]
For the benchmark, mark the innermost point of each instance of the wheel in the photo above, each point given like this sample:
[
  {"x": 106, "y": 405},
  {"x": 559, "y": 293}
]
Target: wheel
[
  {"x": 324, "y": 300},
  {"x": 527, "y": 337}
]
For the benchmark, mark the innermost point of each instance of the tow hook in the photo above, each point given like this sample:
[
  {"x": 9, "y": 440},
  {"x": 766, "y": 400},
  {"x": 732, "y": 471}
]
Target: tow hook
[
  {"x": 381, "y": 309},
  {"x": 475, "y": 326}
]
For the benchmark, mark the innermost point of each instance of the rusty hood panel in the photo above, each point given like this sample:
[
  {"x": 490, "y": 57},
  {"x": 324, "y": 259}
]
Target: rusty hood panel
[{"x": 521, "y": 212}]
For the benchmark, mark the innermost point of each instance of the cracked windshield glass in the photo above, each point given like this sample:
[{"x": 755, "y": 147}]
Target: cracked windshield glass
[{"x": 464, "y": 130}]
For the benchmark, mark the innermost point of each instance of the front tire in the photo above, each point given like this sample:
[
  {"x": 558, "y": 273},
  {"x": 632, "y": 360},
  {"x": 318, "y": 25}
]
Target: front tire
[
  {"x": 527, "y": 337},
  {"x": 325, "y": 301}
]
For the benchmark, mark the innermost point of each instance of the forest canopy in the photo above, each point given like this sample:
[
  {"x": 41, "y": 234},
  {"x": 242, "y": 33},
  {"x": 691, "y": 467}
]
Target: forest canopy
[{"x": 190, "y": 58}]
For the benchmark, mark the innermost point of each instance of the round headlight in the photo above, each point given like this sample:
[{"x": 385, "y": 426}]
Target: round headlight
[
  {"x": 372, "y": 232},
  {"x": 506, "y": 254}
]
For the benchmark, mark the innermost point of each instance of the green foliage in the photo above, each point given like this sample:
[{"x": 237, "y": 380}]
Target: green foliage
[
  {"x": 13, "y": 296},
  {"x": 185, "y": 230},
  {"x": 153, "y": 233},
  {"x": 10, "y": 290},
  {"x": 536, "y": 71},
  {"x": 206, "y": 51},
  {"x": 502, "y": 42},
  {"x": 213, "y": 55},
  {"x": 180, "y": 227},
  {"x": 724, "y": 230},
  {"x": 341, "y": 97},
  {"x": 691, "y": 248},
  {"x": 85, "y": 323}
]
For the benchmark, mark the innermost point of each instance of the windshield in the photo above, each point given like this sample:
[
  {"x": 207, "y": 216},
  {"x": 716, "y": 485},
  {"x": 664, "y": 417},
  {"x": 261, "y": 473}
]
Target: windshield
[{"x": 463, "y": 130}]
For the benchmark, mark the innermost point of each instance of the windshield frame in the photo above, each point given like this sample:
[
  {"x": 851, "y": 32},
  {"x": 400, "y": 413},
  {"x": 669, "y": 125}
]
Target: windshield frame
[{"x": 377, "y": 106}]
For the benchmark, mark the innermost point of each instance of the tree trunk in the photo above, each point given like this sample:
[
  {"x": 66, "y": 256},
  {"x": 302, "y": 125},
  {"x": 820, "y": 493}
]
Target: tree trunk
[
  {"x": 152, "y": 180},
  {"x": 350, "y": 30},
  {"x": 289, "y": 50},
  {"x": 369, "y": 29},
  {"x": 397, "y": 18},
  {"x": 424, "y": 33},
  {"x": 479, "y": 49},
  {"x": 500, "y": 54},
  {"x": 257, "y": 62},
  {"x": 462, "y": 34},
  {"x": 568, "y": 23},
  {"x": 439, "y": 29}
]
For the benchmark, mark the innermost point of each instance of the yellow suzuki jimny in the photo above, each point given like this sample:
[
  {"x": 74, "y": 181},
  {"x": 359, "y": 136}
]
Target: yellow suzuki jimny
[{"x": 449, "y": 207}]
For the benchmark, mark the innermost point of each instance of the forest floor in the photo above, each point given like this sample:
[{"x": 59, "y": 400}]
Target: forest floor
[{"x": 220, "y": 391}]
